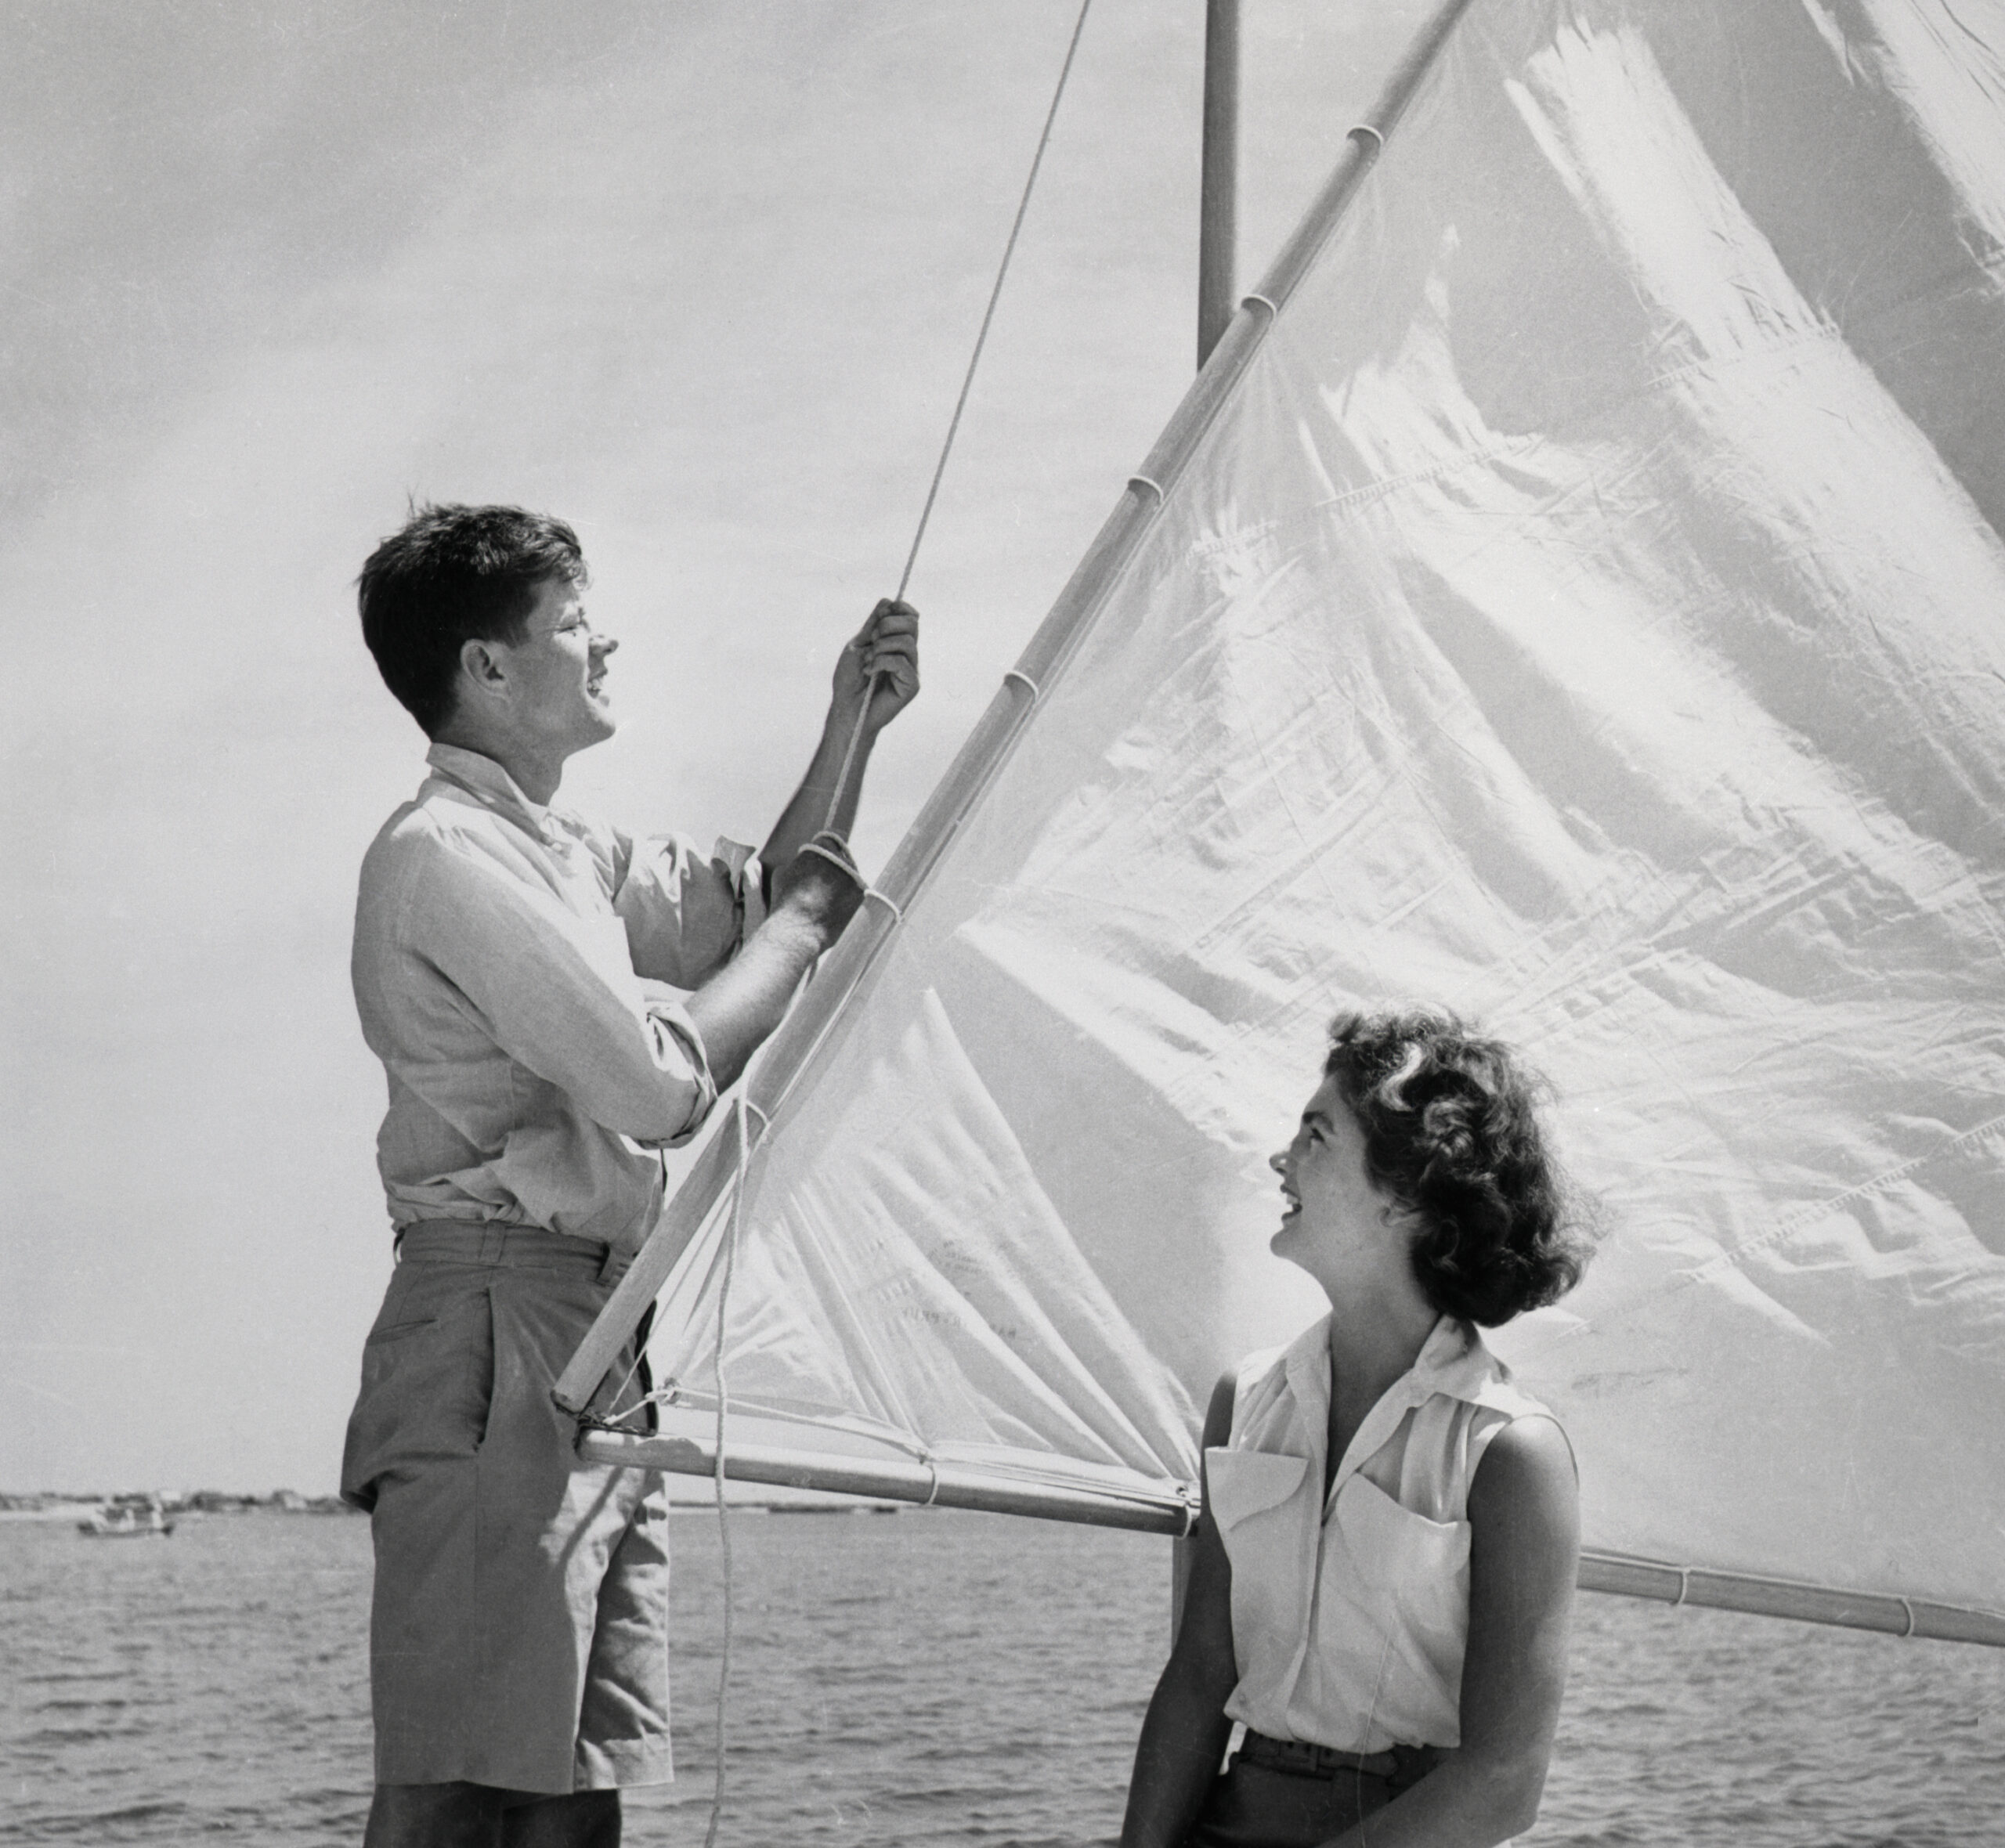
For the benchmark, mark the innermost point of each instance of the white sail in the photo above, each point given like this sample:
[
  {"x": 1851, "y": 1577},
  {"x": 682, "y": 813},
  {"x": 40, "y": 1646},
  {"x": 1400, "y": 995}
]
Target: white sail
[{"x": 1583, "y": 605}]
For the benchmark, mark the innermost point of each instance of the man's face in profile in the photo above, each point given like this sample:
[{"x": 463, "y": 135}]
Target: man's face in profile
[{"x": 558, "y": 672}]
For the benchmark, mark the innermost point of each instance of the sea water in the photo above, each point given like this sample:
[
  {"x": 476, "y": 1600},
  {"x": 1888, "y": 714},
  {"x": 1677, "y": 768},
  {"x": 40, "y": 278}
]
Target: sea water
[{"x": 925, "y": 1678}]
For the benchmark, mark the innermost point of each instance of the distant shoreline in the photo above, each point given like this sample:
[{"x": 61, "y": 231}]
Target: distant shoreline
[
  {"x": 65, "y": 1505},
  {"x": 70, "y": 1505}
]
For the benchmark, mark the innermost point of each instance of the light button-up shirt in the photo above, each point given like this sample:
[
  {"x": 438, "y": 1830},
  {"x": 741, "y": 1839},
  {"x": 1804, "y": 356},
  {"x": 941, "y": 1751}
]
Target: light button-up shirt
[
  {"x": 519, "y": 969},
  {"x": 1351, "y": 1610}
]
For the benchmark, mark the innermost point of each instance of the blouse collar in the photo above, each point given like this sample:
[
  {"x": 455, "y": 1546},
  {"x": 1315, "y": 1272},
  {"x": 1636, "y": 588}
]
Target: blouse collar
[{"x": 1452, "y": 1360}]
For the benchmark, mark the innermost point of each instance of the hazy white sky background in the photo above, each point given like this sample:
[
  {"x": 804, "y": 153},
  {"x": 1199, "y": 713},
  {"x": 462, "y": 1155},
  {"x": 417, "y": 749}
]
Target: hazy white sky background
[{"x": 701, "y": 275}]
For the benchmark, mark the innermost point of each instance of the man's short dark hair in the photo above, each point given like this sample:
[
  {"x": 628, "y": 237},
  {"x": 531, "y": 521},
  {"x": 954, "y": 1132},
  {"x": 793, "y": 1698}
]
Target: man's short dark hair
[{"x": 449, "y": 575}]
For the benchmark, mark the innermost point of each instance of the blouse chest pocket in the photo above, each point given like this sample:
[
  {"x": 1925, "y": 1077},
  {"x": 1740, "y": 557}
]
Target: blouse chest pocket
[
  {"x": 1259, "y": 1498},
  {"x": 1421, "y": 1565},
  {"x": 1244, "y": 1483},
  {"x": 1264, "y": 1505}
]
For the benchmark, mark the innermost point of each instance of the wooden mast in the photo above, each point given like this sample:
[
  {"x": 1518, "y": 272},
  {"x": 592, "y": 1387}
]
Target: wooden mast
[{"x": 1219, "y": 184}]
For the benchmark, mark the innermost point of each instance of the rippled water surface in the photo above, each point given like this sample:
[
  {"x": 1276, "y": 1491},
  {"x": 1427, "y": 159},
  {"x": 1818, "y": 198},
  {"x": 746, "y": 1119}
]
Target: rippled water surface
[{"x": 926, "y": 1678}]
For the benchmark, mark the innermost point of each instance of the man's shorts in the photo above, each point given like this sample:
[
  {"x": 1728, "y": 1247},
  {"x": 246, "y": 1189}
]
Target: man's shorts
[{"x": 519, "y": 1632}]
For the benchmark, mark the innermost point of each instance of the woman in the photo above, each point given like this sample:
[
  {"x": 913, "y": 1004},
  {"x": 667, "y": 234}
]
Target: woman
[{"x": 1383, "y": 1573}]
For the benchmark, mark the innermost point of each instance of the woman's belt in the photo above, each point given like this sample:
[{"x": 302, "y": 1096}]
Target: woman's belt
[{"x": 1401, "y": 1767}]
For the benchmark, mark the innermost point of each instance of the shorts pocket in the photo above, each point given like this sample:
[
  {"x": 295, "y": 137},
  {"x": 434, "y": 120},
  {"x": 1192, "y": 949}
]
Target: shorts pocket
[{"x": 427, "y": 1384}]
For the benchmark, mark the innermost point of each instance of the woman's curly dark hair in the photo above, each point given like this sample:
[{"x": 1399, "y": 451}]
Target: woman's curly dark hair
[{"x": 1451, "y": 1131}]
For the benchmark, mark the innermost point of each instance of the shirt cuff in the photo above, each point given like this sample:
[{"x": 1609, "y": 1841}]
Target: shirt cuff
[
  {"x": 672, "y": 1016},
  {"x": 748, "y": 878}
]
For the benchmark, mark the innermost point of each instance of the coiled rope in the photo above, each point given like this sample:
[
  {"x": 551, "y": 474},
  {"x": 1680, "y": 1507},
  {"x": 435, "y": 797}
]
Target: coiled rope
[{"x": 828, "y": 826}]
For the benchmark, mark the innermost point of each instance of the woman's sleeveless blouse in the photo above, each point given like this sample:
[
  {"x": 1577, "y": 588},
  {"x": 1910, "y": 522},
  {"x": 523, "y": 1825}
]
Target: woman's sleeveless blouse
[{"x": 1350, "y": 1616}]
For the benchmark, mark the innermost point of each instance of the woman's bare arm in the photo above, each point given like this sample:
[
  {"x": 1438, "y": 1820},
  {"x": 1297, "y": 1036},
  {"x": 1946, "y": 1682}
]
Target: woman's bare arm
[
  {"x": 1524, "y": 1550},
  {"x": 1183, "y": 1737}
]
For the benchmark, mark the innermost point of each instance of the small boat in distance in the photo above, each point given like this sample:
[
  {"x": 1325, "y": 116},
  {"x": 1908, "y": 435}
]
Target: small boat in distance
[{"x": 122, "y": 1521}]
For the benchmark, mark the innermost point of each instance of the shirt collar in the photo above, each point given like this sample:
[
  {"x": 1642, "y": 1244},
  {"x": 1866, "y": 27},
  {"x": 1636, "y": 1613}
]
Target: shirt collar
[
  {"x": 1452, "y": 1360},
  {"x": 489, "y": 784}
]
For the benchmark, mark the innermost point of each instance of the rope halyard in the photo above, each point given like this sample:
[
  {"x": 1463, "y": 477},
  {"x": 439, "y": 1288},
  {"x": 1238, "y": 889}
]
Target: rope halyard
[
  {"x": 849, "y": 759},
  {"x": 835, "y": 848},
  {"x": 967, "y": 384},
  {"x": 996, "y": 294},
  {"x": 724, "y": 1516}
]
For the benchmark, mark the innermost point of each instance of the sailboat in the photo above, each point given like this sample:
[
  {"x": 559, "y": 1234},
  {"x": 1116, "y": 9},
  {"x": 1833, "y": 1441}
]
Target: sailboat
[{"x": 1570, "y": 594}]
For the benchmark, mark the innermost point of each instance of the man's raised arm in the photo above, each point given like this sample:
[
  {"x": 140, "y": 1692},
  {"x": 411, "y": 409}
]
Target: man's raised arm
[
  {"x": 815, "y": 888},
  {"x": 881, "y": 662}
]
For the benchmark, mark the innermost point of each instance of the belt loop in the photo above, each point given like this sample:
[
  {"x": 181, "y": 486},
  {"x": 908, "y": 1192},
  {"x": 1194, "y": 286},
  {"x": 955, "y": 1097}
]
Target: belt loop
[
  {"x": 493, "y": 1242},
  {"x": 613, "y": 1266}
]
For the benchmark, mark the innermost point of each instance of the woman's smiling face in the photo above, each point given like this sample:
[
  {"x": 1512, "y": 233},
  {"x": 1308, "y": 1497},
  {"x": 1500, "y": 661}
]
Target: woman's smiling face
[{"x": 1336, "y": 1216}]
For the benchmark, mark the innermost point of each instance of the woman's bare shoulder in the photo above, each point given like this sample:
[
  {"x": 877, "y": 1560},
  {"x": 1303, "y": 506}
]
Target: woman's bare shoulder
[{"x": 1526, "y": 1469}]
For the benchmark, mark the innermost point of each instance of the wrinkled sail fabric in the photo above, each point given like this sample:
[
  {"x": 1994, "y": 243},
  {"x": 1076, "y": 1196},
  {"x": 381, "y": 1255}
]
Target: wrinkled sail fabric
[{"x": 1587, "y": 611}]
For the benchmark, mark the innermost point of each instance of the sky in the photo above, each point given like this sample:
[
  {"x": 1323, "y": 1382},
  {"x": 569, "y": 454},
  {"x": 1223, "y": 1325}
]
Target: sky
[{"x": 699, "y": 276}]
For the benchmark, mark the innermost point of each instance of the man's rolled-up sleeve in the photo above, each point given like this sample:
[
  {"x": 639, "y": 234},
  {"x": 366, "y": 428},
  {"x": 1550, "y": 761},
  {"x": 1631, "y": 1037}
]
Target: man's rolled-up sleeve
[
  {"x": 667, "y": 1014},
  {"x": 686, "y": 913},
  {"x": 557, "y": 994}
]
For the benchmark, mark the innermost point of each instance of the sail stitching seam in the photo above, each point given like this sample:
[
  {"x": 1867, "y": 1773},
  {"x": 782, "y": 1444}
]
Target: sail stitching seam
[
  {"x": 1818, "y": 1210},
  {"x": 873, "y": 1430}
]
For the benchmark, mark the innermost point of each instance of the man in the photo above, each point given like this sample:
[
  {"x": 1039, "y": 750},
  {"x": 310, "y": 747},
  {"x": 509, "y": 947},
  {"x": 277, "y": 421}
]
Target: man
[{"x": 553, "y": 1001}]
